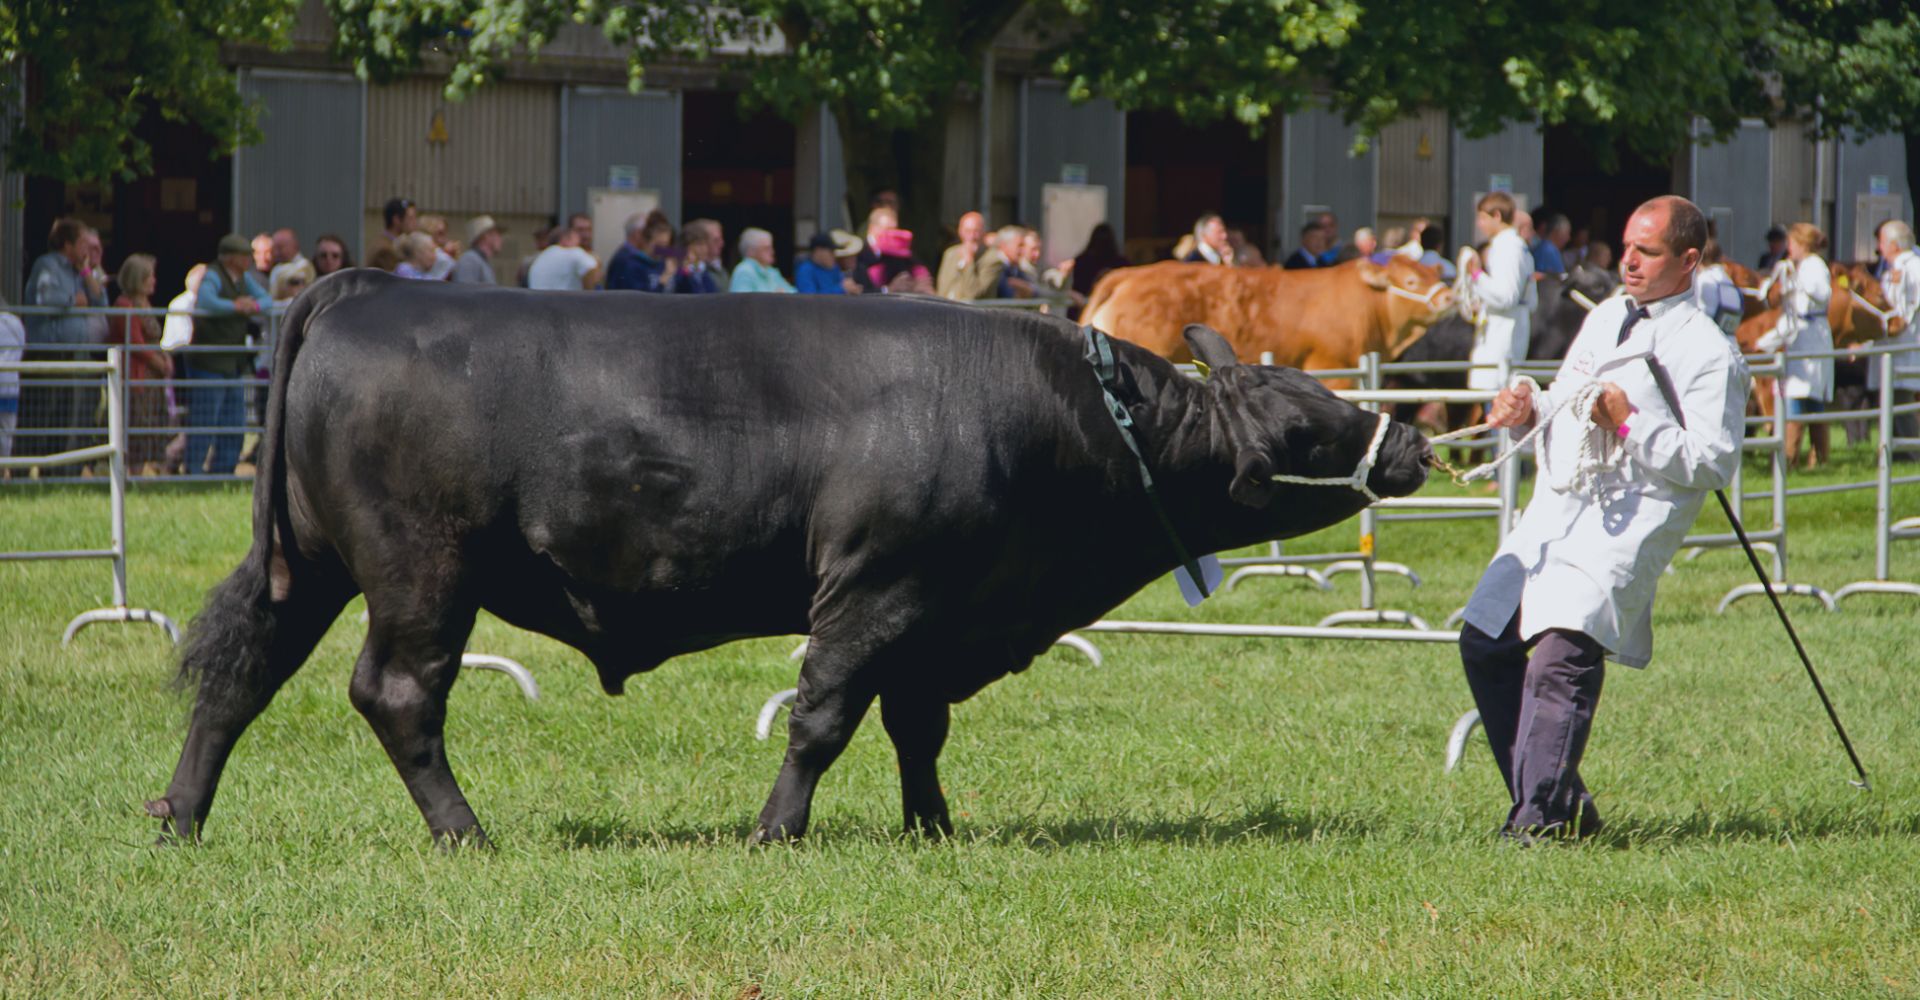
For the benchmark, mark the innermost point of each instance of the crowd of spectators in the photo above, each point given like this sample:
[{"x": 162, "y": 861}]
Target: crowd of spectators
[{"x": 227, "y": 300}]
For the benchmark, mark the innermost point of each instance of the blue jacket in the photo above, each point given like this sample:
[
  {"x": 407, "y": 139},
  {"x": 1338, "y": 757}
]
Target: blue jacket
[
  {"x": 634, "y": 270},
  {"x": 812, "y": 279}
]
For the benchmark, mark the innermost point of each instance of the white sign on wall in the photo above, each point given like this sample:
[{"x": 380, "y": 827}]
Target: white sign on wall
[
  {"x": 610, "y": 210},
  {"x": 1068, "y": 213}
]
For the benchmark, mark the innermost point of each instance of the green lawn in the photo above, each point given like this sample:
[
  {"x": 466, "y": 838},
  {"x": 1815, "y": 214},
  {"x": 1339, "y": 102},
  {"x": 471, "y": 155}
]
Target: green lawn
[{"x": 1199, "y": 817}]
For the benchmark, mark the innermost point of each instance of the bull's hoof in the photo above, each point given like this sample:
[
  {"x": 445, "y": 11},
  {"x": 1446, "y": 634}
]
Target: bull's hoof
[
  {"x": 471, "y": 838},
  {"x": 763, "y": 836}
]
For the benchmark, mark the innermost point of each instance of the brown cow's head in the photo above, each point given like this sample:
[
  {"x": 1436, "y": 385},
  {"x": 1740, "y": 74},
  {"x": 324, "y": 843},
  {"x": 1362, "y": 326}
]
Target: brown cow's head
[
  {"x": 1415, "y": 297},
  {"x": 1851, "y": 323}
]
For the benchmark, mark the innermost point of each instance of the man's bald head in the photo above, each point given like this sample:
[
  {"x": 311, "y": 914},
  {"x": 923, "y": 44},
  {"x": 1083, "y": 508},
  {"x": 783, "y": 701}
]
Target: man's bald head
[
  {"x": 1686, "y": 225},
  {"x": 972, "y": 227},
  {"x": 1662, "y": 243}
]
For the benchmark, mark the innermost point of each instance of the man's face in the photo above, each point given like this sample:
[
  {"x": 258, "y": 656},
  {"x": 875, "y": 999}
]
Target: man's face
[
  {"x": 1649, "y": 269},
  {"x": 85, "y": 251},
  {"x": 822, "y": 257},
  {"x": 262, "y": 253},
  {"x": 583, "y": 227},
  {"x": 1030, "y": 248},
  {"x": 1523, "y": 224},
  {"x": 1888, "y": 250},
  {"x": 1215, "y": 233},
  {"x": 1561, "y": 235},
  {"x": 285, "y": 246},
  {"x": 1329, "y": 225},
  {"x": 972, "y": 227},
  {"x": 489, "y": 242},
  {"x": 236, "y": 262}
]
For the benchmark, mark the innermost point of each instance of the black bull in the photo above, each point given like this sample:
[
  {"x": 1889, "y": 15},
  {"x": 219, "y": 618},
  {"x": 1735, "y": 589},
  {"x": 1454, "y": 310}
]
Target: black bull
[{"x": 933, "y": 493}]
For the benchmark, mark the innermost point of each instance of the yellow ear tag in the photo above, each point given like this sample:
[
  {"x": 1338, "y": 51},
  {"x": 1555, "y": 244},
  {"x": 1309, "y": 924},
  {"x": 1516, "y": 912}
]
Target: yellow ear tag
[
  {"x": 1844, "y": 281},
  {"x": 1201, "y": 366}
]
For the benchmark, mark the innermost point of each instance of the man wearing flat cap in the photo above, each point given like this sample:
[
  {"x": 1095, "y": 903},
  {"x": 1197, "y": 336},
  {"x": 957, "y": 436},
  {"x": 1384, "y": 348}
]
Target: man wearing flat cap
[{"x": 230, "y": 296}]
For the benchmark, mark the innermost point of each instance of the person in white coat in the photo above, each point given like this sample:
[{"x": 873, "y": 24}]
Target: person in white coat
[
  {"x": 1902, "y": 287},
  {"x": 1503, "y": 286},
  {"x": 1622, "y": 479},
  {"x": 1714, "y": 292},
  {"x": 1808, "y": 382}
]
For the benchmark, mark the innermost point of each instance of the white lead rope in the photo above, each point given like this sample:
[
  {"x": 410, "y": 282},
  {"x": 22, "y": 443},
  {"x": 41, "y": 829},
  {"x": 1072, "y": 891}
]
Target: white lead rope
[{"x": 1599, "y": 449}]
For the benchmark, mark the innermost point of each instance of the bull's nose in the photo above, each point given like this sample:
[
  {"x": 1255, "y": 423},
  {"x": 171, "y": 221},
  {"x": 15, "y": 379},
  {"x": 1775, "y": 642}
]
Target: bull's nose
[{"x": 1408, "y": 458}]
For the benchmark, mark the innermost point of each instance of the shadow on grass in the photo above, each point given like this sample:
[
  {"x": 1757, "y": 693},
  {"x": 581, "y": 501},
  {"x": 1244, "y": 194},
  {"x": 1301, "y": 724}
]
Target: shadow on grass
[
  {"x": 1268, "y": 822},
  {"x": 1756, "y": 825}
]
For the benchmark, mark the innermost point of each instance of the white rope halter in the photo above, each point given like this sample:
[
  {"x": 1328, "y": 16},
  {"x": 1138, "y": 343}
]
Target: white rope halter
[
  {"x": 1358, "y": 480},
  {"x": 1426, "y": 300}
]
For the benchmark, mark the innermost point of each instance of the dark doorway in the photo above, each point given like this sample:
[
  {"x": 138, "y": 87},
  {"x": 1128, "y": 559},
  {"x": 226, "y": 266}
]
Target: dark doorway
[
  {"x": 1599, "y": 199},
  {"x": 177, "y": 213},
  {"x": 737, "y": 170},
  {"x": 1177, "y": 172}
]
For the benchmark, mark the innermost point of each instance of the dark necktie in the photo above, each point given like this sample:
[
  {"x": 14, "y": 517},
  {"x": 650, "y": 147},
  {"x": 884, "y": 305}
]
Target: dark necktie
[{"x": 1634, "y": 315}]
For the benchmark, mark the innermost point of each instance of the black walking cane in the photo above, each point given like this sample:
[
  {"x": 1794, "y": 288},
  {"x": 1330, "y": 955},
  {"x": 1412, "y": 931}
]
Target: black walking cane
[{"x": 1665, "y": 383}]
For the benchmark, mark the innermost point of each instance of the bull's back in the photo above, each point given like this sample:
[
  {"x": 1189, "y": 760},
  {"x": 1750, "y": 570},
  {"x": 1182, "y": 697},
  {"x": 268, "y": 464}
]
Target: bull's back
[{"x": 626, "y": 435}]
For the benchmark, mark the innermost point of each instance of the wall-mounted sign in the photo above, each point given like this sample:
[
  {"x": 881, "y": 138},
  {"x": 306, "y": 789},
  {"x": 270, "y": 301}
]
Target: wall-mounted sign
[
  {"x": 623, "y": 177},
  {"x": 1073, "y": 173},
  {"x": 1877, "y": 184},
  {"x": 1500, "y": 182}
]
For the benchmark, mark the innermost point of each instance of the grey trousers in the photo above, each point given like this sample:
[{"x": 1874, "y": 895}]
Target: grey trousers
[{"x": 1537, "y": 711}]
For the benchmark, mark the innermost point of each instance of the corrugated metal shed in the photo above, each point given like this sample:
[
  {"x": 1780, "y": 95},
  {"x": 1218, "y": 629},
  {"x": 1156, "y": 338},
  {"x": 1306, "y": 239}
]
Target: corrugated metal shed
[
  {"x": 1730, "y": 184},
  {"x": 1518, "y": 153},
  {"x": 497, "y": 151},
  {"x": 307, "y": 173},
  {"x": 1323, "y": 175},
  {"x": 1413, "y": 165}
]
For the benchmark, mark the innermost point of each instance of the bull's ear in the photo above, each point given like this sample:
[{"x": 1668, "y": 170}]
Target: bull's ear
[
  {"x": 1373, "y": 274},
  {"x": 1252, "y": 477},
  {"x": 1209, "y": 347}
]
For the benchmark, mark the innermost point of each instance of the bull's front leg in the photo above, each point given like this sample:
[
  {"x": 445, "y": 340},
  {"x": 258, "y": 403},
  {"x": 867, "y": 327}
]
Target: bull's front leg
[
  {"x": 835, "y": 691},
  {"x": 917, "y": 722}
]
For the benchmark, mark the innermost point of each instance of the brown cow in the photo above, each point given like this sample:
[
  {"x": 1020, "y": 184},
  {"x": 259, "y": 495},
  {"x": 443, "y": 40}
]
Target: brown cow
[
  {"x": 1312, "y": 319},
  {"x": 1851, "y": 325}
]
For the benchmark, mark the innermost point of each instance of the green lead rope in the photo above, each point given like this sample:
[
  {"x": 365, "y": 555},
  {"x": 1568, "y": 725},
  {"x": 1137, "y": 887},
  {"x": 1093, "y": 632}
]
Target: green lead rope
[{"x": 1100, "y": 356}]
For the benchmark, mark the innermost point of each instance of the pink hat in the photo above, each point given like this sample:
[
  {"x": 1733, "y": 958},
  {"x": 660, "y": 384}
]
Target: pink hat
[{"x": 893, "y": 243}]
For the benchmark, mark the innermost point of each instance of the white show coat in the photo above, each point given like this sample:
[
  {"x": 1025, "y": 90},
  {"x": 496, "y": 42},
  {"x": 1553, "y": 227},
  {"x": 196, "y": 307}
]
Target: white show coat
[
  {"x": 1589, "y": 565},
  {"x": 1803, "y": 327},
  {"x": 1902, "y": 288},
  {"x": 1505, "y": 291},
  {"x": 1715, "y": 294}
]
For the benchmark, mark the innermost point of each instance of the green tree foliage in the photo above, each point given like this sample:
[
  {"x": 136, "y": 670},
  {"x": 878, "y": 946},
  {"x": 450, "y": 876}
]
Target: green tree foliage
[
  {"x": 1638, "y": 73},
  {"x": 80, "y": 74}
]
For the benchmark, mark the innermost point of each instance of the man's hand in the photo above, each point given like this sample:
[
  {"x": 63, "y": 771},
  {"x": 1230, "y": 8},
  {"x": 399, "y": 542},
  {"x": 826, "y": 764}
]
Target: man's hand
[
  {"x": 1513, "y": 407},
  {"x": 246, "y": 305},
  {"x": 1612, "y": 409}
]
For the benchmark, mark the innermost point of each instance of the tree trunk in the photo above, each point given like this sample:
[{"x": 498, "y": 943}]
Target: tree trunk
[{"x": 908, "y": 161}]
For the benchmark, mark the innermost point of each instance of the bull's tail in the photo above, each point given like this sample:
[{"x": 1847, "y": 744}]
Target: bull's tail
[
  {"x": 228, "y": 642},
  {"x": 259, "y": 624}
]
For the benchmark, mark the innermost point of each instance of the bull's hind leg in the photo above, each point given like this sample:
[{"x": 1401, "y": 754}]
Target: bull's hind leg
[
  {"x": 400, "y": 685},
  {"x": 240, "y": 649},
  {"x": 917, "y": 722},
  {"x": 835, "y": 692}
]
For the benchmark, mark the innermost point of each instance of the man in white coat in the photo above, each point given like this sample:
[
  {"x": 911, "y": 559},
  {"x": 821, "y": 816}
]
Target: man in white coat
[
  {"x": 1902, "y": 285},
  {"x": 1621, "y": 484},
  {"x": 1504, "y": 289}
]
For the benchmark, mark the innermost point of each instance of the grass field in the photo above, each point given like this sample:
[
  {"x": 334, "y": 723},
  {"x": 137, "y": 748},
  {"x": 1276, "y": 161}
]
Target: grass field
[{"x": 1197, "y": 818}]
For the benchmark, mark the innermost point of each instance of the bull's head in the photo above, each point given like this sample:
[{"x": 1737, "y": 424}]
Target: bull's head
[
  {"x": 1281, "y": 422},
  {"x": 1415, "y": 298}
]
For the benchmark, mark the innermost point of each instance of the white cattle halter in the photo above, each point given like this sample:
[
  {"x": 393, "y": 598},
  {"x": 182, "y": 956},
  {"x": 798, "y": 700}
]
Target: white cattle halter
[
  {"x": 1600, "y": 452},
  {"x": 1426, "y": 300},
  {"x": 1358, "y": 480}
]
